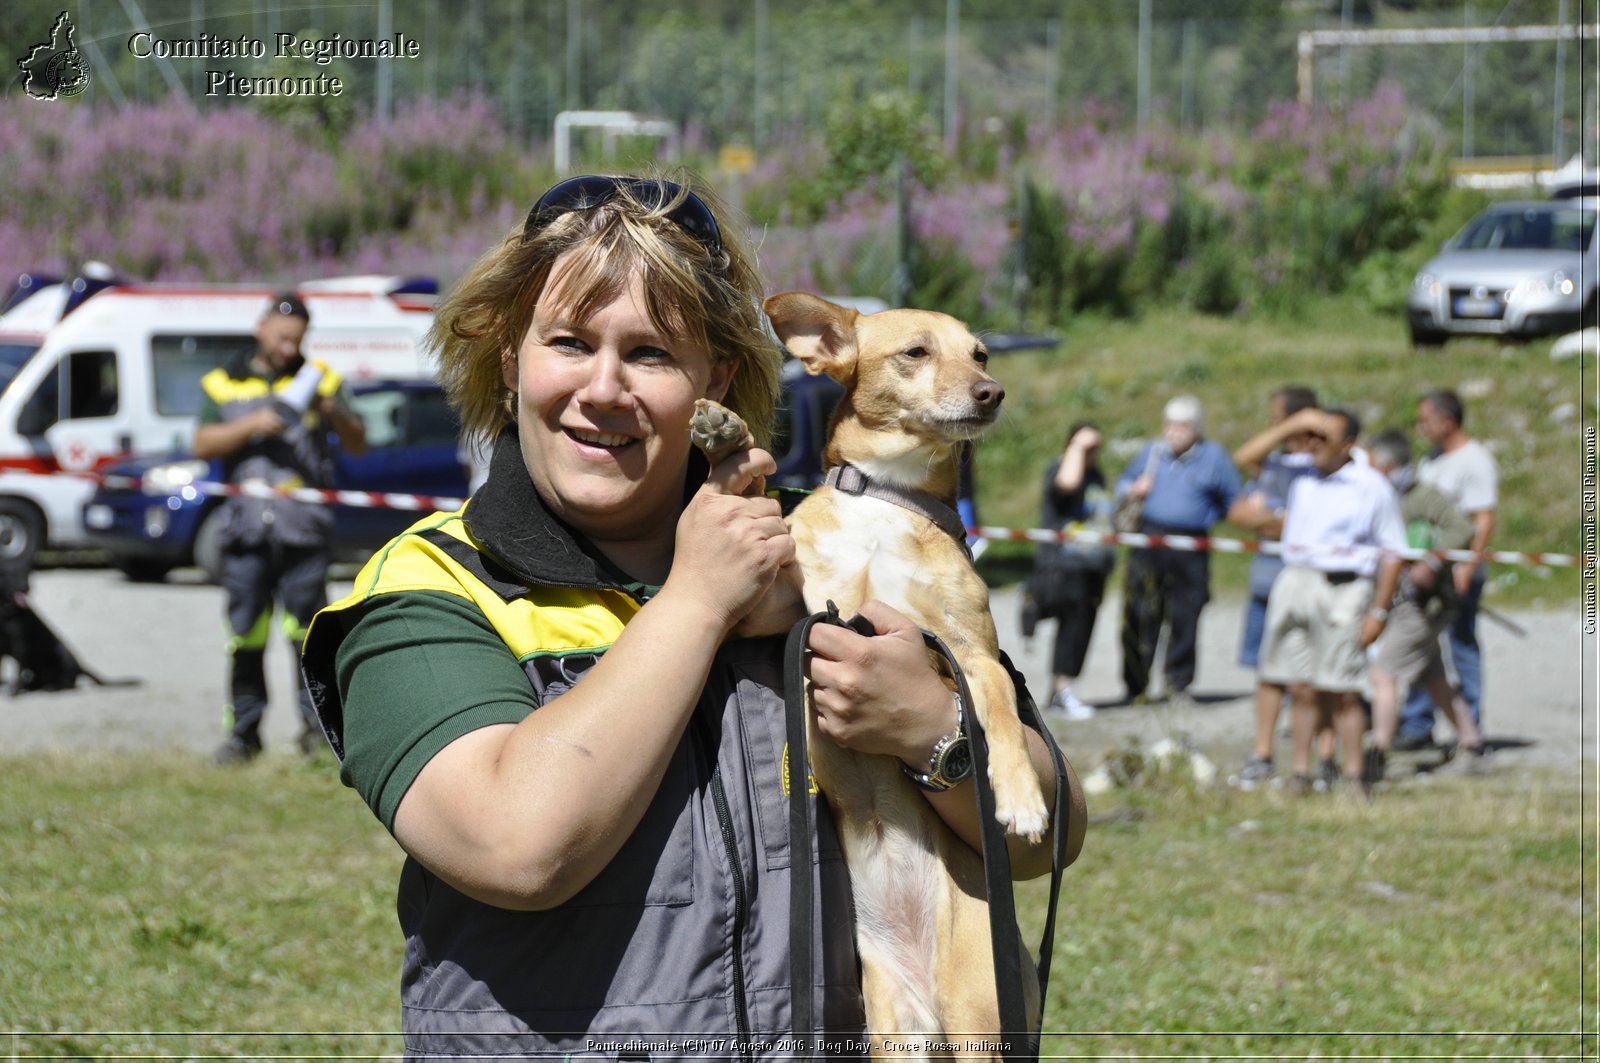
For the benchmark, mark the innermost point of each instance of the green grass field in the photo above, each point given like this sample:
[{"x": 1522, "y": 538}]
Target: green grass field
[
  {"x": 156, "y": 906},
  {"x": 1120, "y": 374}
]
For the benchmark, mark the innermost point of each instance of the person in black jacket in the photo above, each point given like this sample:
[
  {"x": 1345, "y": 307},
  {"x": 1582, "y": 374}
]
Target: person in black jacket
[{"x": 1074, "y": 498}]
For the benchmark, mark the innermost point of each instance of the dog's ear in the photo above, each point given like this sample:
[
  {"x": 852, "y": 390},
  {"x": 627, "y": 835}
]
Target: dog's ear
[{"x": 819, "y": 333}]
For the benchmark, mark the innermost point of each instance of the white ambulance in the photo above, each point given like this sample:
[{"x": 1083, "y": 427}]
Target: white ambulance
[
  {"x": 118, "y": 376},
  {"x": 31, "y": 310}
]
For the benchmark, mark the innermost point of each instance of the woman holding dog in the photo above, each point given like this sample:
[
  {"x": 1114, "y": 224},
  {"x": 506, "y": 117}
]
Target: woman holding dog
[{"x": 564, "y": 699}]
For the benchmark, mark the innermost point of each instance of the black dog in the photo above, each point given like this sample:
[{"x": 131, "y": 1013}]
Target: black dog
[{"x": 44, "y": 661}]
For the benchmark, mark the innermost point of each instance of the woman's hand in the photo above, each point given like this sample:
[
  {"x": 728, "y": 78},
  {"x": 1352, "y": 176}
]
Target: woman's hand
[
  {"x": 778, "y": 610},
  {"x": 879, "y": 694},
  {"x": 1085, "y": 439},
  {"x": 728, "y": 548}
]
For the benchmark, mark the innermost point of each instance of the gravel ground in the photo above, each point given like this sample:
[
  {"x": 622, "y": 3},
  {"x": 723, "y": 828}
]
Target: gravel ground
[{"x": 169, "y": 636}]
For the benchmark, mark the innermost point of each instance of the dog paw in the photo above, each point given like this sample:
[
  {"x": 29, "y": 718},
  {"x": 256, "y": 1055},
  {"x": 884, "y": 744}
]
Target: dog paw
[
  {"x": 1018, "y": 804},
  {"x": 717, "y": 430}
]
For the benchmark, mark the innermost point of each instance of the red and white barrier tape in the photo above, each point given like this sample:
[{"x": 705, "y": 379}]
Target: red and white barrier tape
[
  {"x": 440, "y": 503},
  {"x": 1242, "y": 546},
  {"x": 317, "y": 495}
]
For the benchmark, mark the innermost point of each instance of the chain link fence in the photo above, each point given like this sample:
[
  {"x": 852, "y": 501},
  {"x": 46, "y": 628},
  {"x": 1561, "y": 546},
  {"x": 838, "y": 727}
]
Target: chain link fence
[{"x": 762, "y": 74}]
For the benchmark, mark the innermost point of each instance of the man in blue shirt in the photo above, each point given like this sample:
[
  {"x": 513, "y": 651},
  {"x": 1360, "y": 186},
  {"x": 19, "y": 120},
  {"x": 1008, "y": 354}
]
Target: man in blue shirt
[{"x": 1187, "y": 484}]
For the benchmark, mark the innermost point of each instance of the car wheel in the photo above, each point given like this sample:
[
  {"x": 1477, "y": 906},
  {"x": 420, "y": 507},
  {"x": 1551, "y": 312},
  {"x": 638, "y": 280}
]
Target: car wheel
[
  {"x": 142, "y": 570},
  {"x": 21, "y": 532},
  {"x": 1421, "y": 337},
  {"x": 208, "y": 546}
]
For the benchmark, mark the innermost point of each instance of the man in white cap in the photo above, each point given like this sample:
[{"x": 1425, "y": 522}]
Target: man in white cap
[{"x": 1186, "y": 483}]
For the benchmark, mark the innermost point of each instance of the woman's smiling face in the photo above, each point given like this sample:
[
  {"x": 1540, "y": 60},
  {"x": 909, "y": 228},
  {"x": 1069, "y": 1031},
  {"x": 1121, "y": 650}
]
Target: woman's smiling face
[{"x": 603, "y": 408}]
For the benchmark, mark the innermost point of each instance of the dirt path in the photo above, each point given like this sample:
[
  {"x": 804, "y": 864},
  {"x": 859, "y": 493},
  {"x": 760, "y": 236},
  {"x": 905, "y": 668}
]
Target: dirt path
[{"x": 170, "y": 637}]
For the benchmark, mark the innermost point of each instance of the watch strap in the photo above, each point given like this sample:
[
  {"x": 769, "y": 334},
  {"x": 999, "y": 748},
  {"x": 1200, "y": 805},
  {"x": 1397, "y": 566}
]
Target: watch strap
[{"x": 934, "y": 781}]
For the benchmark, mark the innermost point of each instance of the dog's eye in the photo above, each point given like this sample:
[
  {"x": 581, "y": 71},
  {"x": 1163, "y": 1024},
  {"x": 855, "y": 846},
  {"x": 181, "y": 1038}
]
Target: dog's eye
[
  {"x": 980, "y": 356},
  {"x": 915, "y": 352}
]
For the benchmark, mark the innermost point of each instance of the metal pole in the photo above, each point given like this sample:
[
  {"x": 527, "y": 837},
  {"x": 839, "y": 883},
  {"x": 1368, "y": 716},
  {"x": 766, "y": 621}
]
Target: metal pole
[
  {"x": 102, "y": 68},
  {"x": 914, "y": 67},
  {"x": 1345, "y": 16},
  {"x": 517, "y": 104},
  {"x": 1305, "y": 72},
  {"x": 168, "y": 73},
  {"x": 197, "y": 22},
  {"x": 552, "y": 67},
  {"x": 761, "y": 75},
  {"x": 1559, "y": 104},
  {"x": 952, "y": 41},
  {"x": 726, "y": 89},
  {"x": 479, "y": 46},
  {"x": 1143, "y": 111},
  {"x": 1186, "y": 107},
  {"x": 1019, "y": 280},
  {"x": 902, "y": 219},
  {"x": 1052, "y": 70},
  {"x": 1466, "y": 91},
  {"x": 1588, "y": 104},
  {"x": 430, "y": 55},
  {"x": 385, "y": 66},
  {"x": 574, "y": 53}
]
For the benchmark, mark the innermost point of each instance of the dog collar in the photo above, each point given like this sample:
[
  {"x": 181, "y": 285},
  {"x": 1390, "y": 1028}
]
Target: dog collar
[{"x": 852, "y": 481}]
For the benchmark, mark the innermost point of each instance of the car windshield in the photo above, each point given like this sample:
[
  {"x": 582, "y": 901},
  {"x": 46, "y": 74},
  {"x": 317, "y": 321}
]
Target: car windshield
[
  {"x": 1533, "y": 228},
  {"x": 13, "y": 356}
]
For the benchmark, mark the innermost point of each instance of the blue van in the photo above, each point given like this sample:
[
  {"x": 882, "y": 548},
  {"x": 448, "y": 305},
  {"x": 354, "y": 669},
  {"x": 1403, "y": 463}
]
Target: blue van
[{"x": 168, "y": 521}]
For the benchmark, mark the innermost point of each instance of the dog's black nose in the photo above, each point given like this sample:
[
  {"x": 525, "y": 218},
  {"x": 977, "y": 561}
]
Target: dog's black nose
[{"x": 988, "y": 393}]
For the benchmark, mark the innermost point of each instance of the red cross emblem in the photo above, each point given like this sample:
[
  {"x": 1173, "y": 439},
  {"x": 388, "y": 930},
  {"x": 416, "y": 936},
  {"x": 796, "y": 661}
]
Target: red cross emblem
[{"x": 77, "y": 456}]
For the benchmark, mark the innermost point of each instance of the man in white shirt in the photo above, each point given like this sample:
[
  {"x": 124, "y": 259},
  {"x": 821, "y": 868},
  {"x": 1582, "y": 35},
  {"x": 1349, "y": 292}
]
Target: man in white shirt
[
  {"x": 1340, "y": 538},
  {"x": 1463, "y": 469}
]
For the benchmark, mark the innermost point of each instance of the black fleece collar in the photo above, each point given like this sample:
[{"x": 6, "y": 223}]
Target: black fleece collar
[{"x": 510, "y": 519}]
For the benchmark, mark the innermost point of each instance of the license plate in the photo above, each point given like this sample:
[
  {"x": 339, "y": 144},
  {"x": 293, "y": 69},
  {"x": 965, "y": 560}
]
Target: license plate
[
  {"x": 98, "y": 517},
  {"x": 1466, "y": 306}
]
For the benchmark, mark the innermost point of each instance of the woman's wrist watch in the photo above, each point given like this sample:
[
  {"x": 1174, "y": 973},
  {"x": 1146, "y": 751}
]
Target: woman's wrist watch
[{"x": 950, "y": 763}]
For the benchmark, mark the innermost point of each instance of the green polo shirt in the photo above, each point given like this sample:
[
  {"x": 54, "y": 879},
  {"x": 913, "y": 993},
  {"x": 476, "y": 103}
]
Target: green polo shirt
[{"x": 430, "y": 668}]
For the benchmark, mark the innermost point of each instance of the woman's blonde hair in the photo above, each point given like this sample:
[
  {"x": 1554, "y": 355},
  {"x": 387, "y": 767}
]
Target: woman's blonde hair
[{"x": 710, "y": 297}]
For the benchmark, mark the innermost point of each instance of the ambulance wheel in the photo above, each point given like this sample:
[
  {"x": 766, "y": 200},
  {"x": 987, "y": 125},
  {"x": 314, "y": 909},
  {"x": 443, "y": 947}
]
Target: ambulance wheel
[
  {"x": 208, "y": 546},
  {"x": 21, "y": 532}
]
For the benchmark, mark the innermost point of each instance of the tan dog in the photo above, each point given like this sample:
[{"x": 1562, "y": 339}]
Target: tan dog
[{"x": 915, "y": 390}]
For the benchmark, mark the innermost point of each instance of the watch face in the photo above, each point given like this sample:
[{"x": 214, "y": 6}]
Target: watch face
[{"x": 956, "y": 764}]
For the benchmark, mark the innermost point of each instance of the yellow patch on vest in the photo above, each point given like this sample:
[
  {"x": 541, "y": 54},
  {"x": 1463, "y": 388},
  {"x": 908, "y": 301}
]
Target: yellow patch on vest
[
  {"x": 548, "y": 621},
  {"x": 221, "y": 386}
]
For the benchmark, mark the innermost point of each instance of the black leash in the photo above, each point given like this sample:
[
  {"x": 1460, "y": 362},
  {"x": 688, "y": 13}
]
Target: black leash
[{"x": 996, "y": 859}]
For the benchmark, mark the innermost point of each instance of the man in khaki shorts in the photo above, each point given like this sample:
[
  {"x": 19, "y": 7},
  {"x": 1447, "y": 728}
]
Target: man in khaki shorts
[
  {"x": 1409, "y": 652},
  {"x": 1330, "y": 602}
]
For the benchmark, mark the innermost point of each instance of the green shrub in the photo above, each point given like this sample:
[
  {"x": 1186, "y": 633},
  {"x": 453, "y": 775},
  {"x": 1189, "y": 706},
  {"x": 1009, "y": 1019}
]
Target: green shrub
[{"x": 866, "y": 142}]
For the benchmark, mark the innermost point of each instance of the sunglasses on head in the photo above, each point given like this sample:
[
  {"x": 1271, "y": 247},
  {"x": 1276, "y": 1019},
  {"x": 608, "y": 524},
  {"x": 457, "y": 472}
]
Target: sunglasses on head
[{"x": 590, "y": 191}]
